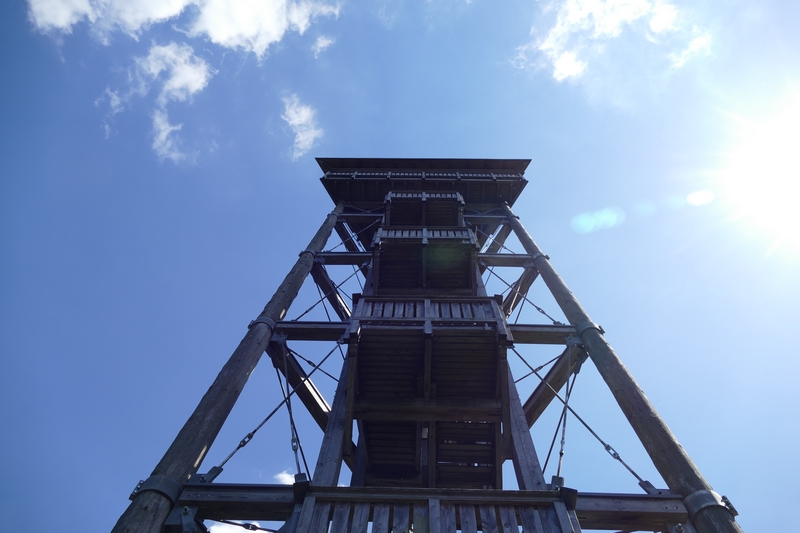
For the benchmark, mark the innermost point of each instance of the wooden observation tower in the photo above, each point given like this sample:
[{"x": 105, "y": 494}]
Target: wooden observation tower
[{"x": 426, "y": 410}]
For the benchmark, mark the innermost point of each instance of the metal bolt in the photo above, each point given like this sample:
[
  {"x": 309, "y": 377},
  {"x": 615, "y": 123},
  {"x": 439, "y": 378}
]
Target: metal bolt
[{"x": 186, "y": 510}]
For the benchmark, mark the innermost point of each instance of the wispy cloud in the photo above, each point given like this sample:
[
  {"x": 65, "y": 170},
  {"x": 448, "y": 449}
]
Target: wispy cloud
[
  {"x": 165, "y": 143},
  {"x": 574, "y": 36},
  {"x": 185, "y": 74},
  {"x": 249, "y": 26},
  {"x": 179, "y": 75},
  {"x": 300, "y": 118},
  {"x": 700, "y": 45},
  {"x": 322, "y": 42}
]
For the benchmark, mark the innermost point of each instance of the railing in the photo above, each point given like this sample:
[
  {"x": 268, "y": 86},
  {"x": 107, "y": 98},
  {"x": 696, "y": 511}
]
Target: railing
[
  {"x": 347, "y": 510},
  {"x": 469, "y": 308},
  {"x": 595, "y": 511}
]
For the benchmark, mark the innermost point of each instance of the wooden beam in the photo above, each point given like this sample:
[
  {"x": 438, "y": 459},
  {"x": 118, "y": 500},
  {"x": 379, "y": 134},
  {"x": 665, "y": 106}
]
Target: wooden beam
[
  {"x": 349, "y": 244},
  {"x": 670, "y": 459},
  {"x": 352, "y": 381},
  {"x": 333, "y": 331},
  {"x": 488, "y": 259},
  {"x": 503, "y": 260},
  {"x": 420, "y": 410},
  {"x": 541, "y": 334},
  {"x": 597, "y": 511},
  {"x": 556, "y": 377},
  {"x": 497, "y": 244},
  {"x": 298, "y": 379},
  {"x": 519, "y": 290},
  {"x": 330, "y": 291},
  {"x": 149, "y": 509},
  {"x": 329, "y": 462},
  {"x": 526, "y": 462},
  {"x": 356, "y": 258},
  {"x": 343, "y": 233},
  {"x": 311, "y": 331}
]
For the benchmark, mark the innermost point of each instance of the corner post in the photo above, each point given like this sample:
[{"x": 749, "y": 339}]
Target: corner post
[
  {"x": 668, "y": 456},
  {"x": 149, "y": 509}
]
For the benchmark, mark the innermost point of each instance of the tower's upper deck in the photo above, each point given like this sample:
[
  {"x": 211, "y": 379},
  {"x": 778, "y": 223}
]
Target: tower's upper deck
[{"x": 364, "y": 182}]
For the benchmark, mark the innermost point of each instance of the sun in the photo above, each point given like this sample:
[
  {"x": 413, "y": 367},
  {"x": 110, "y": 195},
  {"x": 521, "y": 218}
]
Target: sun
[{"x": 762, "y": 179}]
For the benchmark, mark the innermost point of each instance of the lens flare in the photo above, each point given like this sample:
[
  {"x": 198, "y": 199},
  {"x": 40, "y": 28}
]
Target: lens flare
[{"x": 602, "y": 219}]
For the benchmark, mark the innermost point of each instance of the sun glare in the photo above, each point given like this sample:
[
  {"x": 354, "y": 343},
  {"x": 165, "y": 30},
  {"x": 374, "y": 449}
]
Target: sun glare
[{"x": 763, "y": 178}]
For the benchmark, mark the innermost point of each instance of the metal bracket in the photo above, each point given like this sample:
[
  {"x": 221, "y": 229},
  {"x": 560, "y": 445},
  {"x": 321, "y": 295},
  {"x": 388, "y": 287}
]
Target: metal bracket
[
  {"x": 537, "y": 255},
  {"x": 307, "y": 251},
  {"x": 164, "y": 485},
  {"x": 572, "y": 343},
  {"x": 262, "y": 320},
  {"x": 190, "y": 523},
  {"x": 583, "y": 326},
  {"x": 300, "y": 488},
  {"x": 700, "y": 499},
  {"x": 211, "y": 475}
]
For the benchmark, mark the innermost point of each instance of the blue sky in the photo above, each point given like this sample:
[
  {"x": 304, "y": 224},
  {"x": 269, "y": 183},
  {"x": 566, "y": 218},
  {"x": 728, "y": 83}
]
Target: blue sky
[{"x": 157, "y": 181}]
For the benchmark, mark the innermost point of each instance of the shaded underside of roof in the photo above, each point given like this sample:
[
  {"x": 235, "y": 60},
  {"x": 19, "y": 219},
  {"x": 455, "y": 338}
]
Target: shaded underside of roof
[{"x": 483, "y": 183}]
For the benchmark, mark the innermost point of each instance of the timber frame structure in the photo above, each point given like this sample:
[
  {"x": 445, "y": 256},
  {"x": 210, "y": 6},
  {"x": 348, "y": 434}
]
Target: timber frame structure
[{"x": 425, "y": 380}]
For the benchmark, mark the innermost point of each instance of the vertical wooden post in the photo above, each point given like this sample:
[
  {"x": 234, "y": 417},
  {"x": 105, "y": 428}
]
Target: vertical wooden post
[
  {"x": 671, "y": 461},
  {"x": 149, "y": 509},
  {"x": 329, "y": 462}
]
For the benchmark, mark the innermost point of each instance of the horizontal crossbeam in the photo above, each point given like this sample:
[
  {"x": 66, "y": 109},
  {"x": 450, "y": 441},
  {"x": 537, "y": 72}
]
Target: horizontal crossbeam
[
  {"x": 333, "y": 331},
  {"x": 487, "y": 259},
  {"x": 419, "y": 410},
  {"x": 610, "y": 512}
]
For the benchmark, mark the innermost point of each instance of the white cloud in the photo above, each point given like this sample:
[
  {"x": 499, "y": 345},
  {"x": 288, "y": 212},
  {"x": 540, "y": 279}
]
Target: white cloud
[
  {"x": 300, "y": 118},
  {"x": 164, "y": 142},
  {"x": 582, "y": 30},
  {"x": 247, "y": 25},
  {"x": 180, "y": 73},
  {"x": 322, "y": 42},
  {"x": 664, "y": 17},
  {"x": 186, "y": 74},
  {"x": 700, "y": 45},
  {"x": 567, "y": 66},
  {"x": 284, "y": 478},
  {"x": 49, "y": 15}
]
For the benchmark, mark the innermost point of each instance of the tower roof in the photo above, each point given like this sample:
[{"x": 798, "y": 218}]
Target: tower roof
[
  {"x": 328, "y": 164},
  {"x": 364, "y": 182}
]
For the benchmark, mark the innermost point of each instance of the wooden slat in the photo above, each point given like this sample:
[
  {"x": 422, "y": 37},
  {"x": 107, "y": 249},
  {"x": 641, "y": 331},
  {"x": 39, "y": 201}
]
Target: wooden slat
[
  {"x": 400, "y": 518},
  {"x": 434, "y": 515},
  {"x": 321, "y": 518},
  {"x": 341, "y": 516},
  {"x": 508, "y": 519},
  {"x": 360, "y": 518},
  {"x": 468, "y": 522},
  {"x": 447, "y": 515},
  {"x": 420, "y": 518},
  {"x": 531, "y": 521},
  {"x": 488, "y": 514},
  {"x": 380, "y": 518},
  {"x": 563, "y": 517}
]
